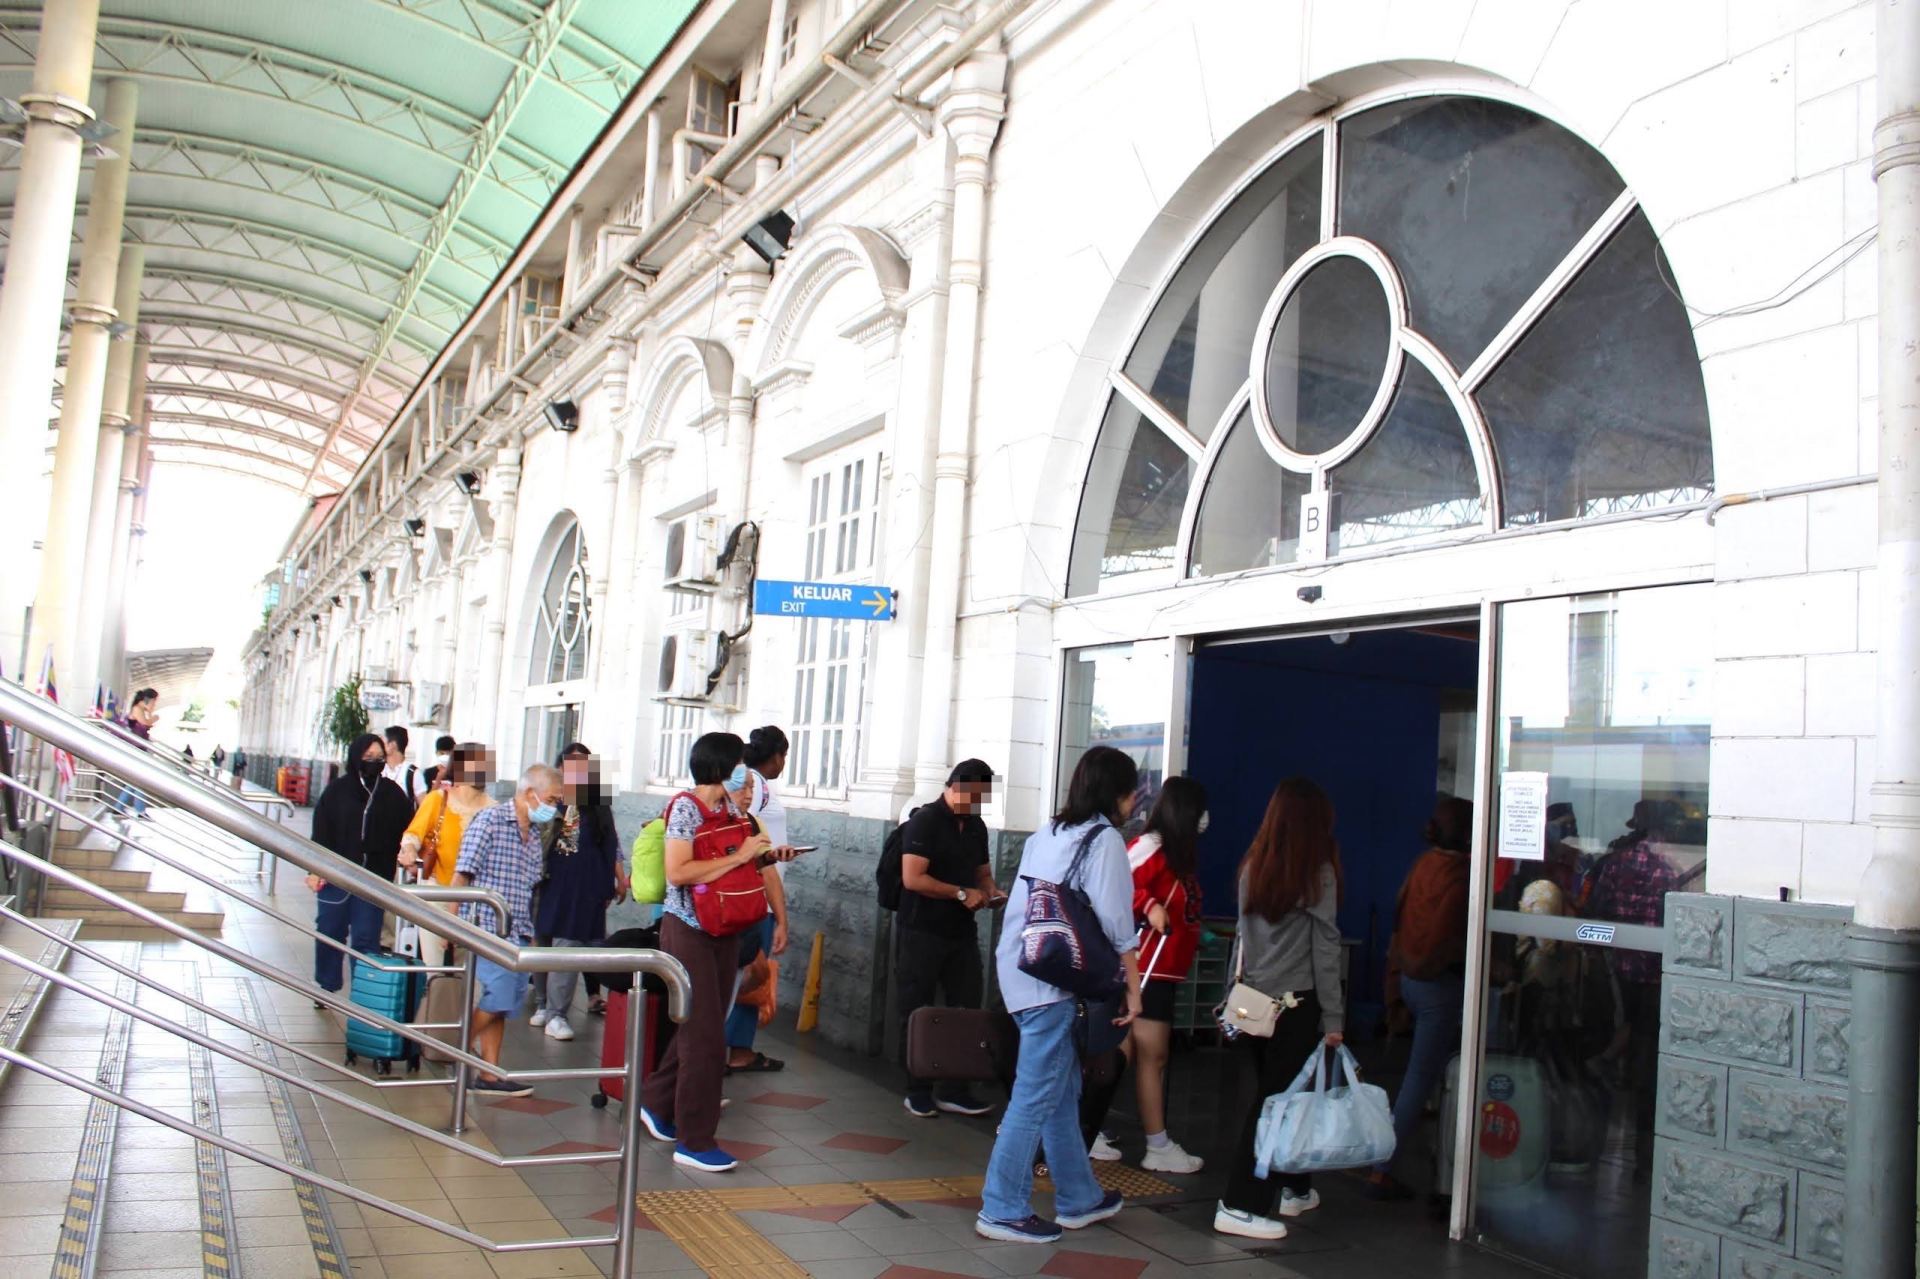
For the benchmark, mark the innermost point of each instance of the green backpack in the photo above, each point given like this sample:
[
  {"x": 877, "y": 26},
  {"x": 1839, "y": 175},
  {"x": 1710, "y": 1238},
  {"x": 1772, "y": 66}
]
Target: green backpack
[{"x": 649, "y": 870}]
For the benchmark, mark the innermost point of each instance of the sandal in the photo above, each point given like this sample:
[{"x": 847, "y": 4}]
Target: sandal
[
  {"x": 758, "y": 1064},
  {"x": 596, "y": 1007}
]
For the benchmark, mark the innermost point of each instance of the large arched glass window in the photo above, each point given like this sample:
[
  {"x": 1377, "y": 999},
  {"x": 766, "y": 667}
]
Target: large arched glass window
[
  {"x": 563, "y": 621},
  {"x": 1436, "y": 317}
]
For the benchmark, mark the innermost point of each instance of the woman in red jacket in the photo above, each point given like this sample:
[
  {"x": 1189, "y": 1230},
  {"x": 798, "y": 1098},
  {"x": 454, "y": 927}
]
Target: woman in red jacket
[{"x": 1166, "y": 909}]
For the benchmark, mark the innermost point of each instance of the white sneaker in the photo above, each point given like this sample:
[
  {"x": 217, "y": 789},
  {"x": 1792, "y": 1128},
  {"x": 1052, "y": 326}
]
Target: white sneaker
[
  {"x": 1231, "y": 1221},
  {"x": 1103, "y": 1150},
  {"x": 1292, "y": 1205},
  {"x": 540, "y": 1017},
  {"x": 1171, "y": 1158},
  {"x": 557, "y": 1028}
]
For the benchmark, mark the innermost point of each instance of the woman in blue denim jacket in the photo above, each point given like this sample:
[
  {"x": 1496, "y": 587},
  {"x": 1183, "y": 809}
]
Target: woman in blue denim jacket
[{"x": 1045, "y": 1107}]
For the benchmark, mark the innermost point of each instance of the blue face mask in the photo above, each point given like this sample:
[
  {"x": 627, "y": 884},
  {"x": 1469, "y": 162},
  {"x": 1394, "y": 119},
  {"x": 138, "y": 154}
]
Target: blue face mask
[
  {"x": 738, "y": 779},
  {"x": 543, "y": 814}
]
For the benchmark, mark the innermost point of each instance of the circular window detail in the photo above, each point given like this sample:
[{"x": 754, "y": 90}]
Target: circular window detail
[{"x": 1327, "y": 354}]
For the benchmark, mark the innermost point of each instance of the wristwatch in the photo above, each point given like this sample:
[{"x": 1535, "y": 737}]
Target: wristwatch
[{"x": 960, "y": 895}]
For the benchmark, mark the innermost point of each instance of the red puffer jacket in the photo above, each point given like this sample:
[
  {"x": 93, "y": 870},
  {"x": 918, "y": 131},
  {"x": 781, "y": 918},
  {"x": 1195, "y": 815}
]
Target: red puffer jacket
[{"x": 1169, "y": 957}]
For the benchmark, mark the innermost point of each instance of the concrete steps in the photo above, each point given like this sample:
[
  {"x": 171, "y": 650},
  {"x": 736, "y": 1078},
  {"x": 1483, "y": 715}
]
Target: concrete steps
[{"x": 103, "y": 860}]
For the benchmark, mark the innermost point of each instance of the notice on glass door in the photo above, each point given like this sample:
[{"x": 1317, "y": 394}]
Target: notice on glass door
[{"x": 1523, "y": 816}]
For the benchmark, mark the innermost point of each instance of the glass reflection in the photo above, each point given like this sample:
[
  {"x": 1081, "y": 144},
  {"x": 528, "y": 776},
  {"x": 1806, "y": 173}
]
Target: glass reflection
[
  {"x": 1131, "y": 507},
  {"x": 1250, "y": 513},
  {"x": 1414, "y": 478},
  {"x": 1116, "y": 695},
  {"x": 1327, "y": 354}
]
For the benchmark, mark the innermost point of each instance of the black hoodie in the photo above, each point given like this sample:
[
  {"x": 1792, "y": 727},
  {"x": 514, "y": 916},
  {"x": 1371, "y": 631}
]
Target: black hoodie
[{"x": 359, "y": 822}]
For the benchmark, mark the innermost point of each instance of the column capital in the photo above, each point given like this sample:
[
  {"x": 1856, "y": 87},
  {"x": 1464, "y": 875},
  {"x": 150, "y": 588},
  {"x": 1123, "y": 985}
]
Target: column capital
[
  {"x": 110, "y": 420},
  {"x": 55, "y": 108},
  {"x": 85, "y": 312}
]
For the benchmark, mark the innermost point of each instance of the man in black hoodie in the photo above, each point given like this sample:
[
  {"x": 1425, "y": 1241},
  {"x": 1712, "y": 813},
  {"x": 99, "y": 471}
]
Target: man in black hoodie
[{"x": 361, "y": 816}]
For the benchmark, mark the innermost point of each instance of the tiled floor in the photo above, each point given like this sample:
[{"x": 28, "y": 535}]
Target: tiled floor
[{"x": 802, "y": 1134}]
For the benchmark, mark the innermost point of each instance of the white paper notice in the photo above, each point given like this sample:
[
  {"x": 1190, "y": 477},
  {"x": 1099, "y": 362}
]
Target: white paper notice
[{"x": 1523, "y": 816}]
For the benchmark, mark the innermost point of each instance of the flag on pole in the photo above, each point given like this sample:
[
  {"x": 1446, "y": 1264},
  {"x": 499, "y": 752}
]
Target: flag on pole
[
  {"x": 99, "y": 700},
  {"x": 62, "y": 762}
]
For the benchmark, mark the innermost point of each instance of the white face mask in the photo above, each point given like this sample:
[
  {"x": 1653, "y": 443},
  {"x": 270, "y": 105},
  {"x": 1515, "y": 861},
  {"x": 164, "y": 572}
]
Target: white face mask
[{"x": 1206, "y": 820}]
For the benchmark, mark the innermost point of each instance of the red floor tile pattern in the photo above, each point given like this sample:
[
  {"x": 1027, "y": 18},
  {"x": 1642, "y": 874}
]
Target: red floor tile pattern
[
  {"x": 743, "y": 1150},
  {"x": 919, "y": 1272},
  {"x": 570, "y": 1148},
  {"x": 835, "y": 1213},
  {"x": 1068, "y": 1264},
  {"x": 787, "y": 1100},
  {"x": 606, "y": 1215},
  {"x": 533, "y": 1105},
  {"x": 865, "y": 1143}
]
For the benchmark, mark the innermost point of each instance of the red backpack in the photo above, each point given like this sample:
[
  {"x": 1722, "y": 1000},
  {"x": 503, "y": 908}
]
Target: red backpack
[{"x": 737, "y": 900}]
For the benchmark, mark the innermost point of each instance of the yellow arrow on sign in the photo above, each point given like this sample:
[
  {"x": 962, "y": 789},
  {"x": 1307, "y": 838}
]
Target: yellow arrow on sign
[{"x": 879, "y": 603}]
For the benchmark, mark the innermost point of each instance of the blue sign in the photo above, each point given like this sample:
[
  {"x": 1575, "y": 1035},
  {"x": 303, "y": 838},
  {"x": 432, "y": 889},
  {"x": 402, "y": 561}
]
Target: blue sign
[
  {"x": 823, "y": 599},
  {"x": 1500, "y": 1087}
]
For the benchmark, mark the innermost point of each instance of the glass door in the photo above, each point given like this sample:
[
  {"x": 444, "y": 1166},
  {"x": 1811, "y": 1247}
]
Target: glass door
[{"x": 1598, "y": 810}]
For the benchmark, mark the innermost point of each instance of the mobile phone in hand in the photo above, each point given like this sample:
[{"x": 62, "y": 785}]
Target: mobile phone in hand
[{"x": 806, "y": 848}]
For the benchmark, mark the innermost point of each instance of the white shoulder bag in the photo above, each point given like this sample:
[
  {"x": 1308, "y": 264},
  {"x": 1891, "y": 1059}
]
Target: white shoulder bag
[{"x": 1247, "y": 1011}]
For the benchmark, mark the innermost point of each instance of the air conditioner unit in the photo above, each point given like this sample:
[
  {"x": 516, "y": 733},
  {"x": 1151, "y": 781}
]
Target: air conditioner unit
[
  {"x": 692, "y": 559},
  {"x": 377, "y": 675},
  {"x": 687, "y": 659},
  {"x": 429, "y": 703}
]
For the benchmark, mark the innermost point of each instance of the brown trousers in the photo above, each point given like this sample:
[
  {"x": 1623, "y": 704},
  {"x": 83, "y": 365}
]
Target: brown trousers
[{"x": 684, "y": 1089}]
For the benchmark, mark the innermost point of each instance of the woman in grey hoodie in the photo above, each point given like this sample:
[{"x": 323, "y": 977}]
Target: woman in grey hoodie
[{"x": 1289, "y": 944}]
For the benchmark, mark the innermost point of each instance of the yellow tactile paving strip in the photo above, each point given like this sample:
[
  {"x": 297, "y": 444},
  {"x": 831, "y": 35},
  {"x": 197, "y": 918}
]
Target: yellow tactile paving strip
[
  {"x": 209, "y": 1161},
  {"x": 80, "y": 1229},
  {"x": 706, "y": 1226}
]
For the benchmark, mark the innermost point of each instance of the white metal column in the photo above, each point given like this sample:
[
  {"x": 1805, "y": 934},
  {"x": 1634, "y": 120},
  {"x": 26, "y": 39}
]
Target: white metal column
[
  {"x": 104, "y": 508},
  {"x": 34, "y": 288},
  {"x": 113, "y": 638}
]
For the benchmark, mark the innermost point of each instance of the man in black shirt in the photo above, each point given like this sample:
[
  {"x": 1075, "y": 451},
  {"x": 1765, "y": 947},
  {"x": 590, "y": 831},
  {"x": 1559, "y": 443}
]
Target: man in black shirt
[{"x": 945, "y": 880}]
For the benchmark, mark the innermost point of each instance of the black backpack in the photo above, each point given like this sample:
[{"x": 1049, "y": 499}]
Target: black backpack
[{"x": 887, "y": 874}]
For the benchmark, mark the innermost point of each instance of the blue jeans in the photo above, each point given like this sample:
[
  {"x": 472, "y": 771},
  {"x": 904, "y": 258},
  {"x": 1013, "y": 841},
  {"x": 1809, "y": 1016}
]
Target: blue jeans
[
  {"x": 1436, "y": 1007},
  {"x": 337, "y": 914},
  {"x": 1043, "y": 1112},
  {"x": 743, "y": 1021}
]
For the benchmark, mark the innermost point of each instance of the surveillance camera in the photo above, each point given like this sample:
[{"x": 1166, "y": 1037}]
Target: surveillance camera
[{"x": 1308, "y": 594}]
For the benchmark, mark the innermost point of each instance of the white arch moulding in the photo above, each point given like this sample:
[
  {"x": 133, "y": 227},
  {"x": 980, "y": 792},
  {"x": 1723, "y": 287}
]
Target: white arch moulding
[{"x": 823, "y": 258}]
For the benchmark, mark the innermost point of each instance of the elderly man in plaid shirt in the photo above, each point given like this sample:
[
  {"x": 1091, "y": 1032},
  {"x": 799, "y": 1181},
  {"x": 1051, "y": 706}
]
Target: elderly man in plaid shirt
[{"x": 503, "y": 850}]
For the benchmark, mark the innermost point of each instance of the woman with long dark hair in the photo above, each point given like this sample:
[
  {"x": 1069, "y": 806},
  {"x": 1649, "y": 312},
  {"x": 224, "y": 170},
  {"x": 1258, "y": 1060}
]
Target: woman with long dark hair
[
  {"x": 1166, "y": 913},
  {"x": 764, "y": 759},
  {"x": 584, "y": 873},
  {"x": 1044, "y": 1108},
  {"x": 1289, "y": 944}
]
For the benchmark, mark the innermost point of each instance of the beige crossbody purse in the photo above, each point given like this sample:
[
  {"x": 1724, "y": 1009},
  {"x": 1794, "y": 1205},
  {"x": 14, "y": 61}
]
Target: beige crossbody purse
[{"x": 1247, "y": 1011}]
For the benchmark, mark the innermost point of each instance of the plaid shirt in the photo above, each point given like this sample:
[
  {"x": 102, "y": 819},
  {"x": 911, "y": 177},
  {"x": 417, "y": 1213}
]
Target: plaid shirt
[
  {"x": 1632, "y": 888},
  {"x": 494, "y": 854}
]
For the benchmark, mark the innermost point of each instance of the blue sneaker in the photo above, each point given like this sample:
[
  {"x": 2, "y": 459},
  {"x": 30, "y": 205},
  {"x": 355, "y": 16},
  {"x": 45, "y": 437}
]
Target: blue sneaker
[
  {"x": 1030, "y": 1230},
  {"x": 1109, "y": 1206},
  {"x": 655, "y": 1129},
  {"x": 715, "y": 1160}
]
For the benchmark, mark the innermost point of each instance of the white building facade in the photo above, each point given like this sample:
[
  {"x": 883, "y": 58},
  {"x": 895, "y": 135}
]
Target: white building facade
[{"x": 1200, "y": 378}]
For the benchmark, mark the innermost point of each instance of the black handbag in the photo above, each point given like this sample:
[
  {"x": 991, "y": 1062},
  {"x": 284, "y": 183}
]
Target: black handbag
[{"x": 1094, "y": 1033}]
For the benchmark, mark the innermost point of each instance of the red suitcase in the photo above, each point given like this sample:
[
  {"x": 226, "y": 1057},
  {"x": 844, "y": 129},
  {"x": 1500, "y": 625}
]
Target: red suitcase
[{"x": 613, "y": 1047}]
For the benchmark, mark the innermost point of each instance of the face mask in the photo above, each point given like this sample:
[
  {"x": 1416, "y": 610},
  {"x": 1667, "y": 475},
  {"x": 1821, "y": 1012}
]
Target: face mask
[
  {"x": 542, "y": 814},
  {"x": 738, "y": 779},
  {"x": 1206, "y": 820},
  {"x": 370, "y": 770}
]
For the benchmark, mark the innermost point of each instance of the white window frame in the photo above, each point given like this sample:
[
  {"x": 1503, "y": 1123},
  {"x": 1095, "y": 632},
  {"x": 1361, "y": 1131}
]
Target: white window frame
[{"x": 841, "y": 524}]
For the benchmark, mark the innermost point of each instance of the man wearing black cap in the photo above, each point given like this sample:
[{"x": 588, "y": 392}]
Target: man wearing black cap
[{"x": 945, "y": 879}]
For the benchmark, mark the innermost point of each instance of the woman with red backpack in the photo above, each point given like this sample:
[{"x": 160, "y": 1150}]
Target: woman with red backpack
[{"x": 714, "y": 858}]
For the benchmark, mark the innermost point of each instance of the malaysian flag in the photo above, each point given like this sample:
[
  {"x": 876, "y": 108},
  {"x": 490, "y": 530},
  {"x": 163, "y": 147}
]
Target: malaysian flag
[{"x": 62, "y": 762}]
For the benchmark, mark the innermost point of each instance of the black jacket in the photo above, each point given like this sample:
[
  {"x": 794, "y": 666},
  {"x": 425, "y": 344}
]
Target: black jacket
[{"x": 363, "y": 828}]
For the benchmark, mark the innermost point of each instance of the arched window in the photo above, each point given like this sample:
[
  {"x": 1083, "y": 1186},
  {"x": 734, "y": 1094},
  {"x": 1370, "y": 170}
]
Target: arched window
[
  {"x": 563, "y": 621},
  {"x": 1439, "y": 316}
]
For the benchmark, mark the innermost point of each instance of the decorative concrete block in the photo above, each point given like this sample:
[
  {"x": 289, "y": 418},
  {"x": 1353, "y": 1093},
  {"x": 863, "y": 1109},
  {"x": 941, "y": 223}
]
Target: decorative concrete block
[
  {"x": 1791, "y": 944},
  {"x": 1692, "y": 1100},
  {"x": 1828, "y": 1040},
  {"x": 1699, "y": 935},
  {"x": 1787, "y": 1121},
  {"x": 1723, "y": 1022},
  {"x": 1737, "y": 1261},
  {"x": 1821, "y": 1232},
  {"x": 1724, "y": 1194},
  {"x": 1675, "y": 1251}
]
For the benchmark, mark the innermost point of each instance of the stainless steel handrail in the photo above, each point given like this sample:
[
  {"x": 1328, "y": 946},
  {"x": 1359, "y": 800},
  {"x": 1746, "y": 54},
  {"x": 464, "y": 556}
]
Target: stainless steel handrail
[
  {"x": 57, "y": 727},
  {"x": 185, "y": 767}
]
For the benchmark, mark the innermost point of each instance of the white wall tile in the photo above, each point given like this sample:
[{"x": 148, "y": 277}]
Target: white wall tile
[
  {"x": 1752, "y": 22},
  {"x": 1782, "y": 412},
  {"x": 1761, "y": 539},
  {"x": 1841, "y": 694},
  {"x": 1759, "y": 697},
  {"x": 1752, "y": 858},
  {"x": 1843, "y": 528},
  {"x": 1601, "y": 59},
  {"x": 1868, "y": 595},
  {"x": 1864, "y": 759},
  {"x": 1827, "y": 131},
  {"x": 1786, "y": 779},
  {"x": 1836, "y": 52},
  {"x": 1774, "y": 617},
  {"x": 1510, "y": 37},
  {"x": 1832, "y": 859}
]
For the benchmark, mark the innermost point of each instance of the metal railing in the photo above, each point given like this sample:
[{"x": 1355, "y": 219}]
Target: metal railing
[{"x": 40, "y": 727}]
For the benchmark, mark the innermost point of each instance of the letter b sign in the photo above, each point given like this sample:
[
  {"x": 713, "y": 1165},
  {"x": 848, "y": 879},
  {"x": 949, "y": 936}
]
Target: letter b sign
[{"x": 1315, "y": 511}]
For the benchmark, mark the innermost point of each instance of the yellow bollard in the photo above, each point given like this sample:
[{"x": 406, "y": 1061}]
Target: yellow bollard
[{"x": 810, "y": 996}]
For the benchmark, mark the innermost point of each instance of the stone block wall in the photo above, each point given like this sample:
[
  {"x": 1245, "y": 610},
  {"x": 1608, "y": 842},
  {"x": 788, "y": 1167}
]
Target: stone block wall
[{"x": 1751, "y": 1110}]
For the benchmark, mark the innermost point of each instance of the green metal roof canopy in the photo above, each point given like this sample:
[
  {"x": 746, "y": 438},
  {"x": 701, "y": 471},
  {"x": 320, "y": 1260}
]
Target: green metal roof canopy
[{"x": 326, "y": 188}]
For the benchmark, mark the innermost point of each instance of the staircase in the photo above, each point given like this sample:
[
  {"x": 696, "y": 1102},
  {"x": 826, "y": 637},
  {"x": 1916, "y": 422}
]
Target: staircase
[{"x": 101, "y": 859}]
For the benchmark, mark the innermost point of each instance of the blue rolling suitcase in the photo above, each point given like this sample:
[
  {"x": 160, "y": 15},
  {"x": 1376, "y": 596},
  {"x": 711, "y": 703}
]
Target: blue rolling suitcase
[{"x": 391, "y": 993}]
